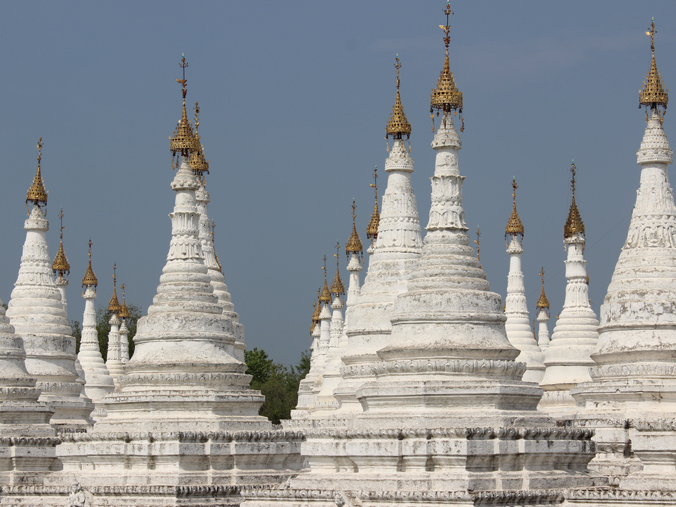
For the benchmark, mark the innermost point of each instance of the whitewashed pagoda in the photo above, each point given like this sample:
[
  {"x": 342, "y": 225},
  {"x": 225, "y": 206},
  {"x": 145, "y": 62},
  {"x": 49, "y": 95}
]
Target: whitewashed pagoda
[
  {"x": 542, "y": 315},
  {"x": 38, "y": 316},
  {"x": 98, "y": 381},
  {"x": 445, "y": 417},
  {"x": 393, "y": 256},
  {"x": 517, "y": 325},
  {"x": 631, "y": 399},
  {"x": 568, "y": 355},
  {"x": 182, "y": 422}
]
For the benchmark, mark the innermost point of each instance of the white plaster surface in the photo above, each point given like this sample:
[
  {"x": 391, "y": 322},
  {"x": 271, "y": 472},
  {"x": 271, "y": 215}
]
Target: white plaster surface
[
  {"x": 98, "y": 382},
  {"x": 517, "y": 325},
  {"x": 38, "y": 316}
]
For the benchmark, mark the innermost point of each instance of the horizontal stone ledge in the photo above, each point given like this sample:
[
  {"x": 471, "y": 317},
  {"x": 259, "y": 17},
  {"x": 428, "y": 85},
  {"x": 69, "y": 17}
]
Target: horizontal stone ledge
[
  {"x": 221, "y": 436},
  {"x": 545, "y": 433}
]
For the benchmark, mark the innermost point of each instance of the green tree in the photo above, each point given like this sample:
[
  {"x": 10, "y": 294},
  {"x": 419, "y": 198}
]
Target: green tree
[
  {"x": 103, "y": 328},
  {"x": 278, "y": 383},
  {"x": 76, "y": 330}
]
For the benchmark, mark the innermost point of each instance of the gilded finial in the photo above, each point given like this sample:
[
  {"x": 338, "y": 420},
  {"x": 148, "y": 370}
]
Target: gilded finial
[
  {"x": 90, "y": 277},
  {"x": 353, "y": 245},
  {"x": 325, "y": 296},
  {"x": 37, "y": 193},
  {"x": 213, "y": 244},
  {"x": 543, "y": 302},
  {"x": 574, "y": 224},
  {"x": 337, "y": 287},
  {"x": 114, "y": 304},
  {"x": 198, "y": 162},
  {"x": 514, "y": 225},
  {"x": 124, "y": 311},
  {"x": 183, "y": 141},
  {"x": 397, "y": 124},
  {"x": 446, "y": 96},
  {"x": 653, "y": 94},
  {"x": 372, "y": 228},
  {"x": 317, "y": 305},
  {"x": 60, "y": 264}
]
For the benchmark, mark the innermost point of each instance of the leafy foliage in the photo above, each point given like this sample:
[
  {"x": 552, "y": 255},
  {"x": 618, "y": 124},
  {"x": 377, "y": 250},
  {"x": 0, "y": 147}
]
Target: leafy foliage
[
  {"x": 103, "y": 328},
  {"x": 278, "y": 383}
]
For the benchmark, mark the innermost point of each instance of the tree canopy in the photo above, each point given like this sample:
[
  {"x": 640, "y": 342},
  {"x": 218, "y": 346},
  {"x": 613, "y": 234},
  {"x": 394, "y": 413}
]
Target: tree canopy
[{"x": 278, "y": 383}]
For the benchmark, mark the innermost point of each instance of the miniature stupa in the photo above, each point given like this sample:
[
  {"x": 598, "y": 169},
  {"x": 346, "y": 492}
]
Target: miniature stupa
[
  {"x": 517, "y": 325},
  {"x": 37, "y": 313}
]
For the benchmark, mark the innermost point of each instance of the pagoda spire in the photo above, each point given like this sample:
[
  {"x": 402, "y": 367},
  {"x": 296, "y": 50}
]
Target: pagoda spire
[
  {"x": 394, "y": 231},
  {"x": 36, "y": 193},
  {"x": 633, "y": 376},
  {"x": 61, "y": 268},
  {"x": 374, "y": 222},
  {"x": 568, "y": 356},
  {"x": 38, "y": 315},
  {"x": 542, "y": 315},
  {"x": 187, "y": 322},
  {"x": 183, "y": 141},
  {"x": 124, "y": 331},
  {"x": 207, "y": 237},
  {"x": 113, "y": 360},
  {"x": 446, "y": 97},
  {"x": 517, "y": 325},
  {"x": 337, "y": 290},
  {"x": 98, "y": 382},
  {"x": 397, "y": 124},
  {"x": 653, "y": 95},
  {"x": 325, "y": 295}
]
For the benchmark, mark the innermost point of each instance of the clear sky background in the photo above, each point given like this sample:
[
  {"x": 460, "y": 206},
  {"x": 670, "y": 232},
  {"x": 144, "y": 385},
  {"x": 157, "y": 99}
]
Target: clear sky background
[{"x": 295, "y": 97}]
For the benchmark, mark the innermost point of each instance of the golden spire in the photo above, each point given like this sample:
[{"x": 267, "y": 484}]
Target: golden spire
[
  {"x": 446, "y": 95},
  {"x": 90, "y": 277},
  {"x": 353, "y": 245},
  {"x": 114, "y": 304},
  {"x": 37, "y": 193},
  {"x": 574, "y": 222},
  {"x": 543, "y": 302},
  {"x": 198, "y": 163},
  {"x": 183, "y": 141},
  {"x": 337, "y": 287},
  {"x": 514, "y": 225},
  {"x": 315, "y": 314},
  {"x": 653, "y": 94},
  {"x": 213, "y": 244},
  {"x": 325, "y": 295},
  {"x": 397, "y": 124},
  {"x": 60, "y": 263},
  {"x": 372, "y": 228},
  {"x": 124, "y": 311}
]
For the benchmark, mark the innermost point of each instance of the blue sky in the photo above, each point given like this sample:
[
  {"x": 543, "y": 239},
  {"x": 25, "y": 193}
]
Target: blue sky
[{"x": 295, "y": 97}]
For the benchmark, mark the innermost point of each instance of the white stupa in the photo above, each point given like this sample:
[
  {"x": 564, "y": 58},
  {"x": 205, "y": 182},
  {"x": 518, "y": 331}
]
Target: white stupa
[
  {"x": 306, "y": 397},
  {"x": 124, "y": 330},
  {"x": 517, "y": 326},
  {"x": 38, "y": 316},
  {"x": 330, "y": 378},
  {"x": 27, "y": 443},
  {"x": 542, "y": 315},
  {"x": 396, "y": 231},
  {"x": 445, "y": 413},
  {"x": 183, "y": 413},
  {"x": 113, "y": 359},
  {"x": 631, "y": 399},
  {"x": 568, "y": 356},
  {"x": 98, "y": 382},
  {"x": 200, "y": 165}
]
